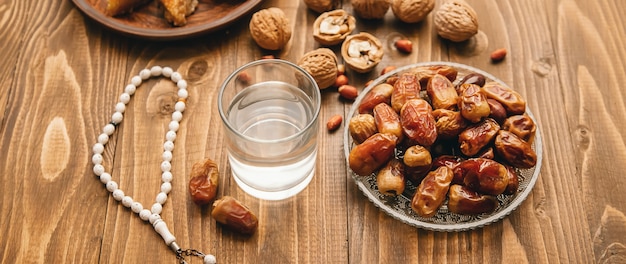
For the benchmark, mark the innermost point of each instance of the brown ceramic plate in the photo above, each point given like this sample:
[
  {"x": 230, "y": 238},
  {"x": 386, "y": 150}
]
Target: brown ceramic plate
[{"x": 147, "y": 21}]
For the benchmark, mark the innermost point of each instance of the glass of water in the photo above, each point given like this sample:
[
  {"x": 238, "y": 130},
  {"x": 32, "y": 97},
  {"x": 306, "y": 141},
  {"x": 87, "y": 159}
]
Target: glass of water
[{"x": 269, "y": 110}]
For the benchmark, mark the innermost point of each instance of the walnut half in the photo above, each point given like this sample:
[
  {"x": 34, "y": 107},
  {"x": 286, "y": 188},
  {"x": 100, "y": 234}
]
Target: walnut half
[
  {"x": 333, "y": 27},
  {"x": 362, "y": 52}
]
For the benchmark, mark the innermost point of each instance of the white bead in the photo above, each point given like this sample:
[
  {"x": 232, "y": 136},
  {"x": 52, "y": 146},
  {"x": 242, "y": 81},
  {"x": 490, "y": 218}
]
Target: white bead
[
  {"x": 136, "y": 80},
  {"x": 170, "y": 136},
  {"x": 145, "y": 74},
  {"x": 174, "y": 125},
  {"x": 153, "y": 218},
  {"x": 96, "y": 159},
  {"x": 167, "y": 72},
  {"x": 125, "y": 98},
  {"x": 136, "y": 207},
  {"x": 127, "y": 201},
  {"x": 118, "y": 195},
  {"x": 209, "y": 259},
  {"x": 98, "y": 169},
  {"x": 180, "y": 106},
  {"x": 130, "y": 89},
  {"x": 166, "y": 166},
  {"x": 168, "y": 145},
  {"x": 156, "y": 70},
  {"x": 156, "y": 208},
  {"x": 145, "y": 214},
  {"x": 120, "y": 107},
  {"x": 166, "y": 176},
  {"x": 98, "y": 148},
  {"x": 117, "y": 117},
  {"x": 166, "y": 187},
  {"x": 105, "y": 178},
  {"x": 177, "y": 116},
  {"x": 103, "y": 138},
  {"x": 161, "y": 198},
  {"x": 182, "y": 84},
  {"x": 167, "y": 155},
  {"x": 183, "y": 94},
  {"x": 176, "y": 77},
  {"x": 108, "y": 129},
  {"x": 111, "y": 186}
]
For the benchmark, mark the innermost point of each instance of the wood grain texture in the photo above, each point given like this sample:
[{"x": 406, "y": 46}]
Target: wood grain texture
[{"x": 63, "y": 73}]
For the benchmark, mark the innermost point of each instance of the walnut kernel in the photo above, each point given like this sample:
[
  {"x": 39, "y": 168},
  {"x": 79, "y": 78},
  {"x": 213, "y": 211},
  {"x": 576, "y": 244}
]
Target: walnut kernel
[
  {"x": 362, "y": 52},
  {"x": 333, "y": 27}
]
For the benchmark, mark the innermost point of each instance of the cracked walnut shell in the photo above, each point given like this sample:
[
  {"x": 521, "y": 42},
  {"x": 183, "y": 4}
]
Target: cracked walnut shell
[
  {"x": 412, "y": 11},
  {"x": 456, "y": 20},
  {"x": 362, "y": 52},
  {"x": 270, "y": 28},
  {"x": 333, "y": 27},
  {"x": 322, "y": 65}
]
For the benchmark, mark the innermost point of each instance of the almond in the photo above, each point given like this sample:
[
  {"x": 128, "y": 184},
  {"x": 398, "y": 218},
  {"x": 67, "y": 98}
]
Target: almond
[
  {"x": 404, "y": 45},
  {"x": 498, "y": 55},
  {"x": 334, "y": 122},
  {"x": 348, "y": 92}
]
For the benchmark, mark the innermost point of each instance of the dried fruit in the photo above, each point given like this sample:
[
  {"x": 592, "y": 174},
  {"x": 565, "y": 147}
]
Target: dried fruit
[
  {"x": 441, "y": 92},
  {"x": 417, "y": 156},
  {"x": 522, "y": 126},
  {"x": 484, "y": 175},
  {"x": 497, "y": 111},
  {"x": 404, "y": 45},
  {"x": 498, "y": 55},
  {"x": 456, "y": 20},
  {"x": 348, "y": 92},
  {"x": 449, "y": 123},
  {"x": 473, "y": 78},
  {"x": 322, "y": 65},
  {"x": 234, "y": 215},
  {"x": 387, "y": 120},
  {"x": 513, "y": 185},
  {"x": 270, "y": 28},
  {"x": 463, "y": 200},
  {"x": 362, "y": 52},
  {"x": 510, "y": 99},
  {"x": 334, "y": 122},
  {"x": 515, "y": 151},
  {"x": 390, "y": 179},
  {"x": 203, "y": 181},
  {"x": 333, "y": 27},
  {"x": 404, "y": 89},
  {"x": 418, "y": 122},
  {"x": 370, "y": 9},
  {"x": 378, "y": 94},
  {"x": 319, "y": 6},
  {"x": 361, "y": 127},
  {"x": 365, "y": 158},
  {"x": 412, "y": 11},
  {"x": 473, "y": 104},
  {"x": 431, "y": 193},
  {"x": 473, "y": 139}
]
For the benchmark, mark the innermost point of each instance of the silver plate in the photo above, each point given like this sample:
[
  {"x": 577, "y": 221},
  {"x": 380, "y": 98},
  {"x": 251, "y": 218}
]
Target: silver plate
[{"x": 399, "y": 207}]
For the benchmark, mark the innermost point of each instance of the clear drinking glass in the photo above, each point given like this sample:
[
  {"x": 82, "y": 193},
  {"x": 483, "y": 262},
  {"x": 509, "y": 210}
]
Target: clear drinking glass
[{"x": 270, "y": 110}]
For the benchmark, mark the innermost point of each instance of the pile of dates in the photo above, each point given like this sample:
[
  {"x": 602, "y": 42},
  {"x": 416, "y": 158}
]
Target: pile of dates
[{"x": 458, "y": 140}]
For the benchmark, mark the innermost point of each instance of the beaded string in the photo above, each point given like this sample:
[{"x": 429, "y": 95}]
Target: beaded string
[{"x": 154, "y": 214}]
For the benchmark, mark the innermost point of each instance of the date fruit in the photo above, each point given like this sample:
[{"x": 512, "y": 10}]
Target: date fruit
[
  {"x": 378, "y": 94},
  {"x": 497, "y": 111},
  {"x": 484, "y": 175},
  {"x": 513, "y": 185},
  {"x": 514, "y": 150},
  {"x": 441, "y": 92},
  {"x": 390, "y": 179},
  {"x": 431, "y": 193},
  {"x": 417, "y": 156},
  {"x": 510, "y": 99},
  {"x": 361, "y": 127},
  {"x": 234, "y": 215},
  {"x": 473, "y": 104},
  {"x": 203, "y": 182},
  {"x": 387, "y": 120},
  {"x": 418, "y": 122},
  {"x": 473, "y": 78},
  {"x": 449, "y": 123},
  {"x": 404, "y": 89},
  {"x": 373, "y": 153},
  {"x": 463, "y": 200},
  {"x": 473, "y": 139},
  {"x": 522, "y": 126}
]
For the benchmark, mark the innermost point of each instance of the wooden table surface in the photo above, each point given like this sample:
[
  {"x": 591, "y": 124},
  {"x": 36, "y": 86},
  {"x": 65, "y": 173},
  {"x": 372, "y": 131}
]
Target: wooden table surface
[{"x": 62, "y": 74}]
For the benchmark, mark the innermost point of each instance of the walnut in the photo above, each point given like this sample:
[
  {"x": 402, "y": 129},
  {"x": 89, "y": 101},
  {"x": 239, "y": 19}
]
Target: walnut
[
  {"x": 270, "y": 28},
  {"x": 322, "y": 65},
  {"x": 412, "y": 11},
  {"x": 456, "y": 20},
  {"x": 362, "y": 52},
  {"x": 320, "y": 6},
  {"x": 333, "y": 27},
  {"x": 370, "y": 9}
]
